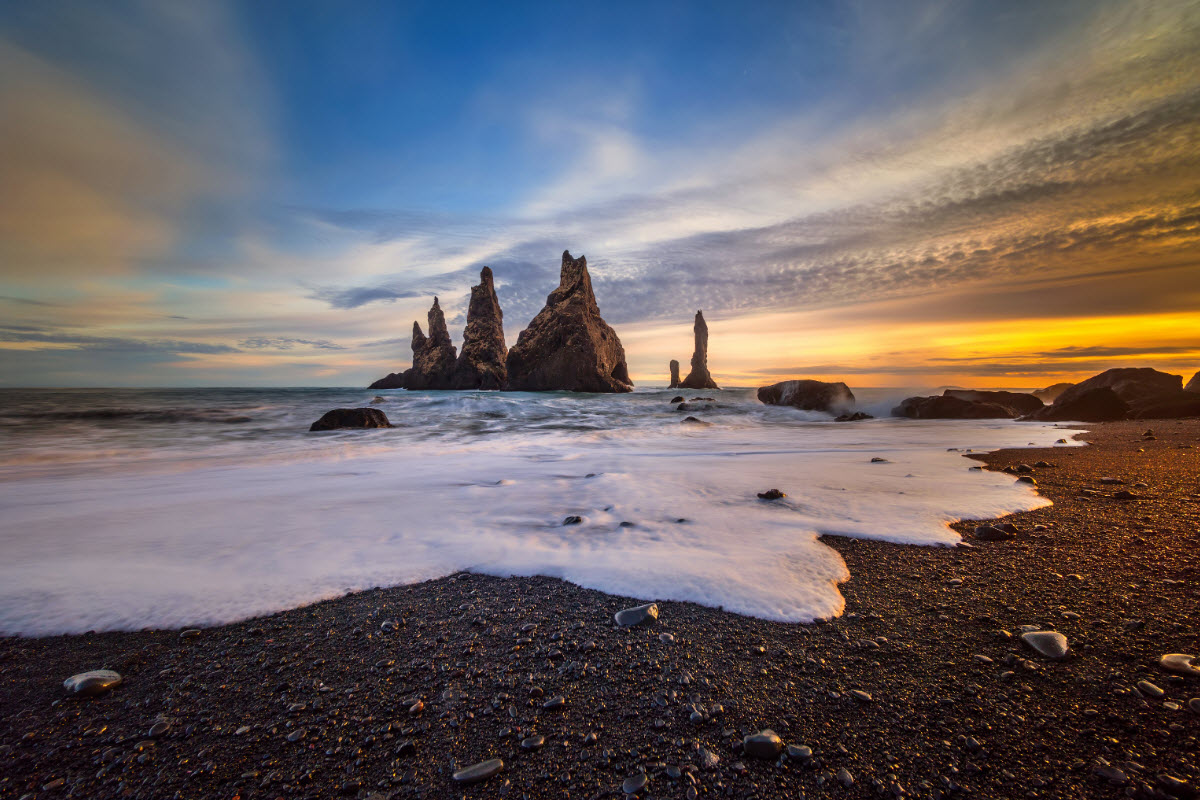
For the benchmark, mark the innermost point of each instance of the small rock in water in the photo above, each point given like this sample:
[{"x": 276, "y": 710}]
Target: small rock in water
[
  {"x": 635, "y": 783},
  {"x": 90, "y": 684},
  {"x": 693, "y": 421},
  {"x": 1050, "y": 644},
  {"x": 676, "y": 399},
  {"x": 479, "y": 772},
  {"x": 572, "y": 520},
  {"x": 771, "y": 494},
  {"x": 637, "y": 615},
  {"x": 190, "y": 633},
  {"x": 1181, "y": 664},
  {"x": 1032, "y": 481},
  {"x": 878, "y": 460},
  {"x": 764, "y": 744}
]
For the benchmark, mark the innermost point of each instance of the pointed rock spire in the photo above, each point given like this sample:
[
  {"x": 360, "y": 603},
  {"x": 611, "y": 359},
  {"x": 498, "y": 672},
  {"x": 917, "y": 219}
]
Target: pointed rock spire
[
  {"x": 568, "y": 346},
  {"x": 433, "y": 357},
  {"x": 674, "y": 374},
  {"x": 699, "y": 378},
  {"x": 481, "y": 365}
]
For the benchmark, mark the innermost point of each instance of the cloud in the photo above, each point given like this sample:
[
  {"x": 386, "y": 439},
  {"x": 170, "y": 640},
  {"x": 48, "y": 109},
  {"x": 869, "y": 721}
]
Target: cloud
[
  {"x": 110, "y": 344},
  {"x": 287, "y": 343}
]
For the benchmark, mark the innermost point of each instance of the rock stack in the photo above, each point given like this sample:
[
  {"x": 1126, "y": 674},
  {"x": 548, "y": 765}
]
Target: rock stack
[
  {"x": 674, "y": 374},
  {"x": 481, "y": 365},
  {"x": 568, "y": 346},
  {"x": 433, "y": 357},
  {"x": 699, "y": 377}
]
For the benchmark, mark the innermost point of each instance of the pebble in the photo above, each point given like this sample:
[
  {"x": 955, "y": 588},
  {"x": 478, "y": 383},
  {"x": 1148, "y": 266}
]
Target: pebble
[
  {"x": 990, "y": 533},
  {"x": 860, "y": 695},
  {"x": 1181, "y": 664},
  {"x": 845, "y": 778},
  {"x": 90, "y": 684},
  {"x": 635, "y": 783},
  {"x": 190, "y": 633},
  {"x": 1194, "y": 705},
  {"x": 799, "y": 752},
  {"x": 1111, "y": 774},
  {"x": 296, "y": 735},
  {"x": 479, "y": 772},
  {"x": 710, "y": 760},
  {"x": 637, "y": 615},
  {"x": 556, "y": 702},
  {"x": 533, "y": 742},
  {"x": 158, "y": 729},
  {"x": 764, "y": 744},
  {"x": 1148, "y": 689},
  {"x": 1027, "y": 479},
  {"x": 1050, "y": 644}
]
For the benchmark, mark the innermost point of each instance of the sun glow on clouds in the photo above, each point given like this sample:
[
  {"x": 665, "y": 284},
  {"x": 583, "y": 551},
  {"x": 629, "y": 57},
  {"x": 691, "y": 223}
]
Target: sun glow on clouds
[{"x": 1009, "y": 215}]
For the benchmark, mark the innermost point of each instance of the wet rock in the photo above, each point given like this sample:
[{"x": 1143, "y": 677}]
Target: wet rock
[
  {"x": 1020, "y": 402},
  {"x": 482, "y": 364},
  {"x": 808, "y": 395},
  {"x": 699, "y": 377},
  {"x": 944, "y": 407},
  {"x": 377, "y": 399},
  {"x": 879, "y": 460},
  {"x": 674, "y": 365},
  {"x": 568, "y": 346},
  {"x": 771, "y": 494},
  {"x": 638, "y": 615},
  {"x": 90, "y": 684},
  {"x": 635, "y": 783},
  {"x": 1050, "y": 644},
  {"x": 533, "y": 742},
  {"x": 855, "y": 417},
  {"x": 845, "y": 778},
  {"x": 1100, "y": 404},
  {"x": 479, "y": 772},
  {"x": 765, "y": 745},
  {"x": 693, "y": 421},
  {"x": 1148, "y": 689},
  {"x": 1181, "y": 664},
  {"x": 572, "y": 520},
  {"x": 677, "y": 399},
  {"x": 340, "y": 418},
  {"x": 798, "y": 752},
  {"x": 1032, "y": 481}
]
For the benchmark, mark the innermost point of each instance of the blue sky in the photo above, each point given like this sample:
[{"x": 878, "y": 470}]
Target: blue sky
[{"x": 270, "y": 192}]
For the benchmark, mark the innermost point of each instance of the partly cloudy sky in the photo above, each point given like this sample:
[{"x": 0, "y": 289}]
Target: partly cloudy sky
[{"x": 894, "y": 194}]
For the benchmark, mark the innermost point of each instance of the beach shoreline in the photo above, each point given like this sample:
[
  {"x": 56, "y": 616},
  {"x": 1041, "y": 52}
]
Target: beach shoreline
[{"x": 319, "y": 700}]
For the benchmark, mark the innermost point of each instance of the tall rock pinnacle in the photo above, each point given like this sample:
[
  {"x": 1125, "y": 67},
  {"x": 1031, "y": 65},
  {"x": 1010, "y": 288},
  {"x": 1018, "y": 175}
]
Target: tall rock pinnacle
[
  {"x": 481, "y": 365},
  {"x": 699, "y": 378},
  {"x": 674, "y": 374},
  {"x": 433, "y": 357},
  {"x": 568, "y": 346}
]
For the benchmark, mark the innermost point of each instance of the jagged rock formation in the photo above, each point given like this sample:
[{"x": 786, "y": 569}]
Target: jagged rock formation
[
  {"x": 351, "y": 418},
  {"x": 568, "y": 346},
  {"x": 1194, "y": 384},
  {"x": 481, "y": 364},
  {"x": 1019, "y": 402},
  {"x": 1051, "y": 393},
  {"x": 433, "y": 357},
  {"x": 1136, "y": 387},
  {"x": 808, "y": 395},
  {"x": 947, "y": 406},
  {"x": 699, "y": 378},
  {"x": 674, "y": 374}
]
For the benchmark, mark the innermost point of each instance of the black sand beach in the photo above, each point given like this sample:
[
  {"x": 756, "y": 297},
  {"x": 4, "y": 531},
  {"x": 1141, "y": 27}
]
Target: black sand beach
[{"x": 921, "y": 689}]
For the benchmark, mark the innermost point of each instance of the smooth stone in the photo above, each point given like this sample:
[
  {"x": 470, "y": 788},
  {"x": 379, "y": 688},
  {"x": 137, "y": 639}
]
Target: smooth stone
[
  {"x": 1027, "y": 479},
  {"x": 1194, "y": 705},
  {"x": 845, "y": 778},
  {"x": 558, "y": 701},
  {"x": 635, "y": 783},
  {"x": 158, "y": 729},
  {"x": 479, "y": 772},
  {"x": 1050, "y": 644},
  {"x": 1181, "y": 664},
  {"x": 764, "y": 744},
  {"x": 190, "y": 633},
  {"x": 296, "y": 735},
  {"x": 637, "y": 615},
  {"x": 990, "y": 533},
  {"x": 533, "y": 742},
  {"x": 860, "y": 695},
  {"x": 1149, "y": 689},
  {"x": 90, "y": 684},
  {"x": 799, "y": 752},
  {"x": 1112, "y": 774}
]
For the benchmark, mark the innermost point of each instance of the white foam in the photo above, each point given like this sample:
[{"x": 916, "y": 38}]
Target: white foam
[{"x": 215, "y": 541}]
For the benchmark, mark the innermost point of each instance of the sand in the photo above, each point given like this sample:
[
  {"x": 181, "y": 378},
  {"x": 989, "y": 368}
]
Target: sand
[{"x": 323, "y": 701}]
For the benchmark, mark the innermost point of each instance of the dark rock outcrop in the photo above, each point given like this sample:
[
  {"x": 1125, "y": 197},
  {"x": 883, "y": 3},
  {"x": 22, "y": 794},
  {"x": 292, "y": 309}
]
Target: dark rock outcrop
[
  {"x": 1172, "y": 406},
  {"x": 434, "y": 357},
  {"x": 482, "y": 362},
  {"x": 674, "y": 374},
  {"x": 855, "y": 417},
  {"x": 808, "y": 395},
  {"x": 1194, "y": 384},
  {"x": 351, "y": 418},
  {"x": 1100, "y": 404},
  {"x": 1019, "y": 402},
  {"x": 1051, "y": 393},
  {"x": 568, "y": 346},
  {"x": 699, "y": 377},
  {"x": 950, "y": 407}
]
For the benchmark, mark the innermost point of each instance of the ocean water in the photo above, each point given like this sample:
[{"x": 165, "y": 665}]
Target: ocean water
[{"x": 127, "y": 509}]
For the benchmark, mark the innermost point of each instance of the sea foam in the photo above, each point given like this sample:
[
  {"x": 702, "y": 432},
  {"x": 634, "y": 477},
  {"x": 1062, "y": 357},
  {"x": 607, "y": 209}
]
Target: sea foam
[{"x": 197, "y": 534}]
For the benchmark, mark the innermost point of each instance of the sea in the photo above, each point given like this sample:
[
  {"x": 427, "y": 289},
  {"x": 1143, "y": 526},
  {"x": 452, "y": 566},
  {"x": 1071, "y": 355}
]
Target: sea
[{"x": 127, "y": 509}]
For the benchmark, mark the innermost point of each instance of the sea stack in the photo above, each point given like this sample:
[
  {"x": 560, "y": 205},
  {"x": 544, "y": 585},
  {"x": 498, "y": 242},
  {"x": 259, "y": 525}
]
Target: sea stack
[
  {"x": 699, "y": 378},
  {"x": 568, "y": 346},
  {"x": 481, "y": 365},
  {"x": 674, "y": 374},
  {"x": 433, "y": 357}
]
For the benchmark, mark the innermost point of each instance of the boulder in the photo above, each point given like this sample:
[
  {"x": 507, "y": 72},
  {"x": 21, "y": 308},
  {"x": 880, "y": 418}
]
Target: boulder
[
  {"x": 1194, "y": 384},
  {"x": 1101, "y": 404},
  {"x": 950, "y": 407},
  {"x": 808, "y": 395},
  {"x": 1051, "y": 393},
  {"x": 674, "y": 374},
  {"x": 1132, "y": 385},
  {"x": 482, "y": 362},
  {"x": 1019, "y": 402},
  {"x": 568, "y": 346},
  {"x": 351, "y": 418},
  {"x": 434, "y": 357},
  {"x": 699, "y": 377},
  {"x": 1172, "y": 406}
]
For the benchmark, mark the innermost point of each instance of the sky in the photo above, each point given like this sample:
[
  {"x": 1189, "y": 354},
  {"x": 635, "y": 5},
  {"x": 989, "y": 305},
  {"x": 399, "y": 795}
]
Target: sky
[{"x": 269, "y": 192}]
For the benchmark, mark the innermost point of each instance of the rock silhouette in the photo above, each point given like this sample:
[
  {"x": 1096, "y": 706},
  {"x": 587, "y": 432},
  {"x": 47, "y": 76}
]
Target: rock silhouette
[
  {"x": 1051, "y": 393},
  {"x": 1136, "y": 388},
  {"x": 351, "y": 418},
  {"x": 481, "y": 365},
  {"x": 1019, "y": 402},
  {"x": 808, "y": 395},
  {"x": 950, "y": 407},
  {"x": 568, "y": 346},
  {"x": 699, "y": 377},
  {"x": 674, "y": 374},
  {"x": 1194, "y": 384}
]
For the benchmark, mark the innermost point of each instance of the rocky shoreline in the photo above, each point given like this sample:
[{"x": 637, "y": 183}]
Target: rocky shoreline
[{"x": 922, "y": 688}]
